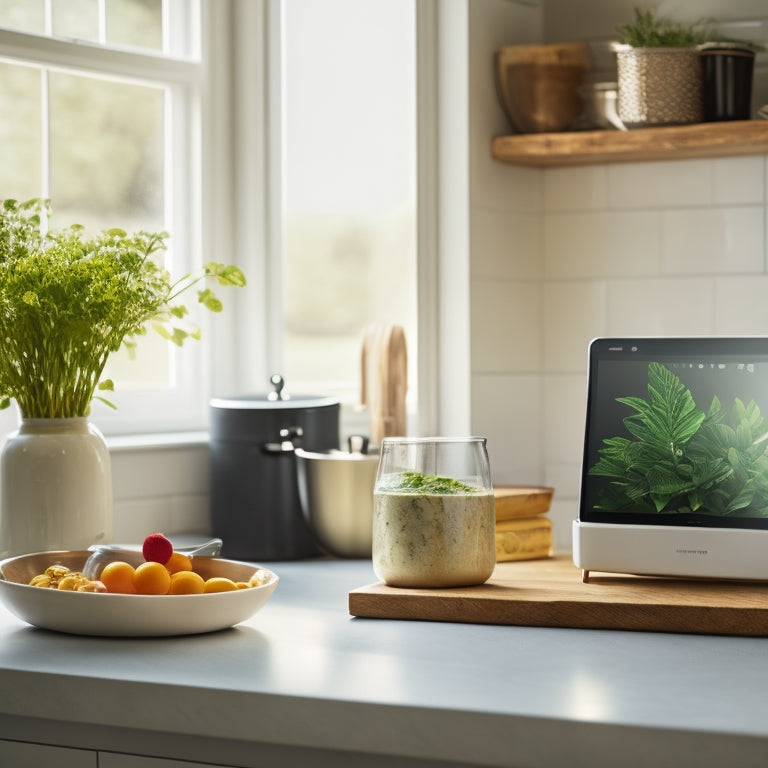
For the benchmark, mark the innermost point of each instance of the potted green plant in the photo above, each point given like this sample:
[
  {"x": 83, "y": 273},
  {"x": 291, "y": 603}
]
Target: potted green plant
[
  {"x": 67, "y": 301},
  {"x": 659, "y": 72}
]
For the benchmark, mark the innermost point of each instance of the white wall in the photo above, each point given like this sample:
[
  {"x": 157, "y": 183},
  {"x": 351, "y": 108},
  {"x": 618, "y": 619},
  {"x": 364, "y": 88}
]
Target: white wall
[
  {"x": 506, "y": 208},
  {"x": 163, "y": 488},
  {"x": 560, "y": 256}
]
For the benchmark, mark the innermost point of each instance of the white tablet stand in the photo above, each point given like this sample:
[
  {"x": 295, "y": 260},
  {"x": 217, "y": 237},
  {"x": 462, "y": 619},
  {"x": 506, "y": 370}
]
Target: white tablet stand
[{"x": 666, "y": 550}]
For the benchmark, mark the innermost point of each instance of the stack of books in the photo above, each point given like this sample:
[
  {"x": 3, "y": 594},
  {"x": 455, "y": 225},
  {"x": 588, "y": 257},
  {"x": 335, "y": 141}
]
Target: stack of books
[{"x": 523, "y": 532}]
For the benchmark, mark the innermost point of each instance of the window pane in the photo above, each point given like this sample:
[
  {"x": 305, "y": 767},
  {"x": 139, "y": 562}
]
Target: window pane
[
  {"x": 20, "y": 96},
  {"x": 136, "y": 23},
  {"x": 349, "y": 181},
  {"x": 107, "y": 160},
  {"x": 120, "y": 23},
  {"x": 23, "y": 15},
  {"x": 150, "y": 367},
  {"x": 76, "y": 19},
  {"x": 98, "y": 144},
  {"x": 107, "y": 154}
]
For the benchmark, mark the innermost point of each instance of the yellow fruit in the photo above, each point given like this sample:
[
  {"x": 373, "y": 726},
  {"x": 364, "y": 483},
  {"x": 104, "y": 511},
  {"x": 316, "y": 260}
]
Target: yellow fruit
[
  {"x": 219, "y": 584},
  {"x": 186, "y": 583},
  {"x": 178, "y": 561},
  {"x": 71, "y": 582},
  {"x": 119, "y": 577},
  {"x": 151, "y": 578},
  {"x": 259, "y": 578},
  {"x": 57, "y": 572}
]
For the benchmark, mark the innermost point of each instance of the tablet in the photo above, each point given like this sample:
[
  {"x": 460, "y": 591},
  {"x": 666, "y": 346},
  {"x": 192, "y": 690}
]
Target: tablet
[{"x": 675, "y": 464}]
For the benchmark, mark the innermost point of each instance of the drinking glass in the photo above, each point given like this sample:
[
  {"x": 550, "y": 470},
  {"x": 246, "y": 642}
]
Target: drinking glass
[{"x": 434, "y": 519}]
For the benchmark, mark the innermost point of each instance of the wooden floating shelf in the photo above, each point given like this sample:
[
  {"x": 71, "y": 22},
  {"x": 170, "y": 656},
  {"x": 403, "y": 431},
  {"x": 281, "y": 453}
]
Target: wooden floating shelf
[{"x": 552, "y": 150}]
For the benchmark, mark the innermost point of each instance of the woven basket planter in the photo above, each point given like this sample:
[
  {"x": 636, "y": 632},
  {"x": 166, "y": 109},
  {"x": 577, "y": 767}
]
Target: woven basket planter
[{"x": 659, "y": 86}]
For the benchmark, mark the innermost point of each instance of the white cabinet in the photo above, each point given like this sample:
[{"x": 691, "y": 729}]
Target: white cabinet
[
  {"x": 19, "y": 754},
  {"x": 114, "y": 760}
]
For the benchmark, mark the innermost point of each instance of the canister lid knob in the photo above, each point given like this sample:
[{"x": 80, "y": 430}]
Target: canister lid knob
[{"x": 278, "y": 383}]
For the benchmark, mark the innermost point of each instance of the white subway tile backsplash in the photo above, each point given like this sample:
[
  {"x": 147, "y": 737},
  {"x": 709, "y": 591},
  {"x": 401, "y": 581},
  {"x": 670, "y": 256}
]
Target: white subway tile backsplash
[
  {"x": 564, "y": 409},
  {"x": 575, "y": 189},
  {"x": 765, "y": 178},
  {"x": 506, "y": 246},
  {"x": 661, "y": 306},
  {"x": 502, "y": 187},
  {"x": 564, "y": 477},
  {"x": 506, "y": 410},
  {"x": 713, "y": 240},
  {"x": 738, "y": 180},
  {"x": 574, "y": 314},
  {"x": 647, "y": 248},
  {"x": 180, "y": 513},
  {"x": 562, "y": 513},
  {"x": 147, "y": 474},
  {"x": 678, "y": 183},
  {"x": 741, "y": 305},
  {"x": 602, "y": 244},
  {"x": 506, "y": 328}
]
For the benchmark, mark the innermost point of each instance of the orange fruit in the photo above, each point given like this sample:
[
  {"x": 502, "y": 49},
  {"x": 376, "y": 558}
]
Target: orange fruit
[
  {"x": 118, "y": 577},
  {"x": 186, "y": 583},
  {"x": 178, "y": 561},
  {"x": 219, "y": 584},
  {"x": 152, "y": 578}
]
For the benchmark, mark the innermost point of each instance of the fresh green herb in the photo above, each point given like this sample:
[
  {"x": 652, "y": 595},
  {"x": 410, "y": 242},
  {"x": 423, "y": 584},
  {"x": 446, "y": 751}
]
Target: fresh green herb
[
  {"x": 650, "y": 32},
  {"x": 684, "y": 460},
  {"x": 67, "y": 301},
  {"x": 415, "y": 482}
]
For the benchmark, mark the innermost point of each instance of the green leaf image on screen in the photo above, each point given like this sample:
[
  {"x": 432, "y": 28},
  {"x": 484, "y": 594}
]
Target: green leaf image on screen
[{"x": 683, "y": 460}]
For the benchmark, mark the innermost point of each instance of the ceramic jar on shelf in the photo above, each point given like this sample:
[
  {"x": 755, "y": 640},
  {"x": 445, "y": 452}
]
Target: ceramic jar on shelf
[{"x": 728, "y": 72}]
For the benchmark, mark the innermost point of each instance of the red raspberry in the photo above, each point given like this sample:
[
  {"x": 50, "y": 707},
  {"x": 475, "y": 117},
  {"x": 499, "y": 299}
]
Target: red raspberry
[{"x": 157, "y": 548}]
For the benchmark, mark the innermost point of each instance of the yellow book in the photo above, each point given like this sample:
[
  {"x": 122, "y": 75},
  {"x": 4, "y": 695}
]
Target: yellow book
[
  {"x": 520, "y": 501},
  {"x": 524, "y": 539}
]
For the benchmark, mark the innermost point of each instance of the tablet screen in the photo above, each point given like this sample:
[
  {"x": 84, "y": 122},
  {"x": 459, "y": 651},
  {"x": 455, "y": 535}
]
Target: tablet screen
[{"x": 677, "y": 432}]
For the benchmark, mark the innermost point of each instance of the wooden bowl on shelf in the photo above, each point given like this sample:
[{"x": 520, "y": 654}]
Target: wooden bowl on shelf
[{"x": 538, "y": 85}]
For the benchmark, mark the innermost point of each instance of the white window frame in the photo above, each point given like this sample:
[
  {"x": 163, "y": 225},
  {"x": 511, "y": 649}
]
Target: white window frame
[
  {"x": 423, "y": 420},
  {"x": 233, "y": 198},
  {"x": 190, "y": 85}
]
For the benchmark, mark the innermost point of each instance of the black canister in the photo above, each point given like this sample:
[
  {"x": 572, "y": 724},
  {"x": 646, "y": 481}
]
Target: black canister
[
  {"x": 255, "y": 506},
  {"x": 727, "y": 70}
]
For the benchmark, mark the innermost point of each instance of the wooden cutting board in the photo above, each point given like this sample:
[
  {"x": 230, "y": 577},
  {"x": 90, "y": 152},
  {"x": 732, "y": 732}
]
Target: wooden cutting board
[{"x": 550, "y": 593}]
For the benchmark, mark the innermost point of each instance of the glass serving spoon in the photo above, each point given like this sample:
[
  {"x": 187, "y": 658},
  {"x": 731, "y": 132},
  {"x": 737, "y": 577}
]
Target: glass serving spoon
[{"x": 101, "y": 554}]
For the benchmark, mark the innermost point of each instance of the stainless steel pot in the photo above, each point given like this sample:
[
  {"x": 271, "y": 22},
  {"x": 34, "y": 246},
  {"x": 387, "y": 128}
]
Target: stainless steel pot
[
  {"x": 336, "y": 494},
  {"x": 255, "y": 506}
]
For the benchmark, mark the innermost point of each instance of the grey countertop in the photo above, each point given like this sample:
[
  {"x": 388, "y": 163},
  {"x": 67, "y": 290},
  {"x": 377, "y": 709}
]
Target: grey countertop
[{"x": 302, "y": 682}]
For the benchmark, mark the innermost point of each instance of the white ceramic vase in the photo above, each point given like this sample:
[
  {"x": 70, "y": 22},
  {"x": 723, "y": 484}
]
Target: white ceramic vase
[{"x": 55, "y": 487}]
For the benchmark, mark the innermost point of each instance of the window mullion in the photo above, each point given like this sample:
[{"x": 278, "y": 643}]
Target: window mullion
[
  {"x": 45, "y": 133},
  {"x": 102, "y": 20},
  {"x": 48, "y": 16},
  {"x": 85, "y": 57}
]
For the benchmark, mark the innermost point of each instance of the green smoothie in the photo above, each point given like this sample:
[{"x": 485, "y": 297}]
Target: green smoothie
[{"x": 431, "y": 531}]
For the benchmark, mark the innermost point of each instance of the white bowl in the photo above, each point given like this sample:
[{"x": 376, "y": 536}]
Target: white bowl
[{"x": 94, "y": 613}]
